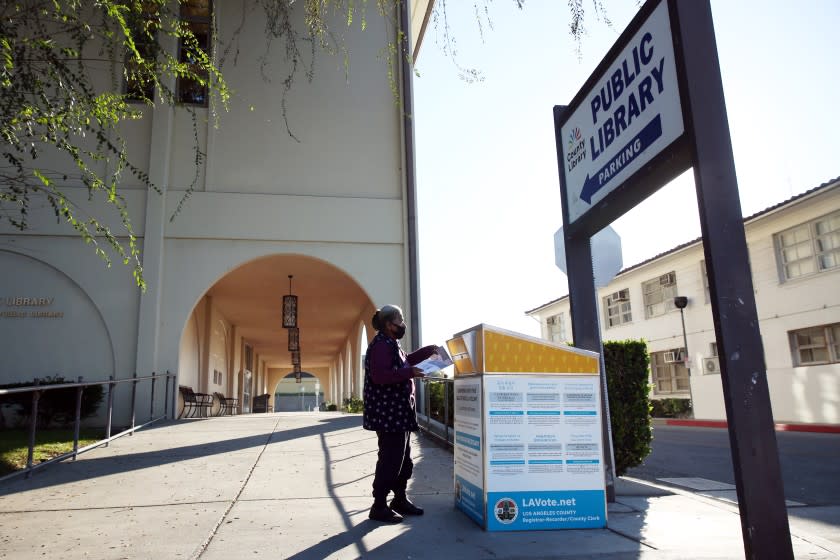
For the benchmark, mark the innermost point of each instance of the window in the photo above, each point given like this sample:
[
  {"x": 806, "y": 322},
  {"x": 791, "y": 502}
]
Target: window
[
  {"x": 137, "y": 83},
  {"x": 713, "y": 349},
  {"x": 669, "y": 372},
  {"x": 659, "y": 294},
  {"x": 816, "y": 345},
  {"x": 809, "y": 248},
  {"x": 556, "y": 328},
  {"x": 617, "y": 308},
  {"x": 197, "y": 15}
]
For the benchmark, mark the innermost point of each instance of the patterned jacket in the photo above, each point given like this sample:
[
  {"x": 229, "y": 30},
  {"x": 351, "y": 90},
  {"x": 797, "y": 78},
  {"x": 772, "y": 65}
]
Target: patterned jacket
[{"x": 389, "y": 392}]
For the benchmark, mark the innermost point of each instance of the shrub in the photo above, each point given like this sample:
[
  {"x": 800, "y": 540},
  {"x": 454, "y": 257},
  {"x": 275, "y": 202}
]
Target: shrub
[
  {"x": 670, "y": 408},
  {"x": 54, "y": 406},
  {"x": 626, "y": 364},
  {"x": 437, "y": 405},
  {"x": 354, "y": 405},
  {"x": 332, "y": 407}
]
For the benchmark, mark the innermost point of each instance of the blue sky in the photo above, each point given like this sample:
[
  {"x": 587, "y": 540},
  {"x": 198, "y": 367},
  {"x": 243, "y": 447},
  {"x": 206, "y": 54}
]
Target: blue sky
[{"x": 489, "y": 200}]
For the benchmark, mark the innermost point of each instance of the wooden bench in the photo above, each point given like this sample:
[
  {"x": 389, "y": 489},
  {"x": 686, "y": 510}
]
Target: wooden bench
[
  {"x": 227, "y": 405},
  {"x": 197, "y": 403}
]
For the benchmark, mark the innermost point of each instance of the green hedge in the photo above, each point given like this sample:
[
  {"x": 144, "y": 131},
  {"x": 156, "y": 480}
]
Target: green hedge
[
  {"x": 325, "y": 406},
  {"x": 670, "y": 408},
  {"x": 626, "y": 363},
  {"x": 437, "y": 404},
  {"x": 354, "y": 405},
  {"x": 56, "y": 406}
]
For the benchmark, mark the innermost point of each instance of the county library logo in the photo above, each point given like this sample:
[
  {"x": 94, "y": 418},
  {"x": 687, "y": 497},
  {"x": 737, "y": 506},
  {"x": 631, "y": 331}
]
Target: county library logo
[{"x": 577, "y": 149}]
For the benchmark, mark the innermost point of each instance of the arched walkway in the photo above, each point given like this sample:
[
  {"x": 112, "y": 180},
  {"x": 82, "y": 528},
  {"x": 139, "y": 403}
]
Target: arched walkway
[{"x": 234, "y": 343}]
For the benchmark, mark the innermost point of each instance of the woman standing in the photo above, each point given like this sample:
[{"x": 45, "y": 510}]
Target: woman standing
[{"x": 390, "y": 412}]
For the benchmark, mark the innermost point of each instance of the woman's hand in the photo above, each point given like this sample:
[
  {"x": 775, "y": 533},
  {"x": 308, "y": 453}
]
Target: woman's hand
[{"x": 417, "y": 372}]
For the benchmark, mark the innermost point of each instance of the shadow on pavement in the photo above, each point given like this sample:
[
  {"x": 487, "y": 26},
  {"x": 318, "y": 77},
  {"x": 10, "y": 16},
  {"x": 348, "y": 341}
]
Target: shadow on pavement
[
  {"x": 445, "y": 532},
  {"x": 87, "y": 468}
]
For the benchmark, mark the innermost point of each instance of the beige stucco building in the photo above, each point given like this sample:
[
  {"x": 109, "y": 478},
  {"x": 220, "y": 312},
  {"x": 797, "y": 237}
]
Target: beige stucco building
[
  {"x": 794, "y": 251},
  {"x": 333, "y": 207}
]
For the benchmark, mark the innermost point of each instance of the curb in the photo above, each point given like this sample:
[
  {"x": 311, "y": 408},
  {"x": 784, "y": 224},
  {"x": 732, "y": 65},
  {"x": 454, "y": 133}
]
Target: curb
[{"x": 780, "y": 427}]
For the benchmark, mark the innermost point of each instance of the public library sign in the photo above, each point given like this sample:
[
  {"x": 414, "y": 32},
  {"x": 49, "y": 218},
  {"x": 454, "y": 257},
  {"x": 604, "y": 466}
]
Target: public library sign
[{"x": 19, "y": 307}]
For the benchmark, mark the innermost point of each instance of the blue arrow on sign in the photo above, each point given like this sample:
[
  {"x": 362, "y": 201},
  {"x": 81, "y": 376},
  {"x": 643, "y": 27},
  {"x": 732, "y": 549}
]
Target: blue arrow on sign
[{"x": 638, "y": 144}]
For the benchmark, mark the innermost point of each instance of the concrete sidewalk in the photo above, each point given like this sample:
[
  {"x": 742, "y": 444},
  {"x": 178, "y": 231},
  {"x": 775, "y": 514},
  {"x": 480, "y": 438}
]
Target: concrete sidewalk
[{"x": 297, "y": 485}]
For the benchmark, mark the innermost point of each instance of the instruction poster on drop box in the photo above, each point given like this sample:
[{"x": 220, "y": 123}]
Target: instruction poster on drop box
[
  {"x": 469, "y": 463},
  {"x": 543, "y": 453}
]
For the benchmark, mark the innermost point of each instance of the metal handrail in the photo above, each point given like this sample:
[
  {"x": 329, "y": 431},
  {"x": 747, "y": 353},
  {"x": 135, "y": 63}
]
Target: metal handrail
[
  {"x": 433, "y": 426},
  {"x": 80, "y": 386}
]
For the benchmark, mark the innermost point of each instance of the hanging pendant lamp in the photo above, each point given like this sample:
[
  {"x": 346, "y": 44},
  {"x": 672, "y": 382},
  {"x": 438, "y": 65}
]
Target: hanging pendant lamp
[
  {"x": 294, "y": 339},
  {"x": 290, "y": 309}
]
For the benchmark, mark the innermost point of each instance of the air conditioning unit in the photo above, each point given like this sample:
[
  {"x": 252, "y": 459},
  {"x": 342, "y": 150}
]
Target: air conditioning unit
[
  {"x": 620, "y": 296},
  {"x": 551, "y": 320},
  {"x": 668, "y": 279},
  {"x": 671, "y": 357},
  {"x": 711, "y": 365}
]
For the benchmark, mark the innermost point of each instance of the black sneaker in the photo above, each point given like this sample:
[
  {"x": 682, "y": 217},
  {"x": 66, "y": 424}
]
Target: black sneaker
[
  {"x": 384, "y": 514},
  {"x": 403, "y": 506}
]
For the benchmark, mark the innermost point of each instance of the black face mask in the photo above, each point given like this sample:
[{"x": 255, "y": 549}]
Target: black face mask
[{"x": 400, "y": 331}]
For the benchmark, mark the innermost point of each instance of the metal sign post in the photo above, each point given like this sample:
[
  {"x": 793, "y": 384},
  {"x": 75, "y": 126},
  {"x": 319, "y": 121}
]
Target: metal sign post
[
  {"x": 653, "y": 108},
  {"x": 752, "y": 437},
  {"x": 604, "y": 250},
  {"x": 587, "y": 334}
]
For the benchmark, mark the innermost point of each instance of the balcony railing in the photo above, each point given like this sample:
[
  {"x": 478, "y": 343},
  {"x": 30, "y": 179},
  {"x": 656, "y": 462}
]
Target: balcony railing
[{"x": 37, "y": 390}]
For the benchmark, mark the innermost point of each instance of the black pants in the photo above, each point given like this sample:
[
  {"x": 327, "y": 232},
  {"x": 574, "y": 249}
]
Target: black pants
[{"x": 393, "y": 466}]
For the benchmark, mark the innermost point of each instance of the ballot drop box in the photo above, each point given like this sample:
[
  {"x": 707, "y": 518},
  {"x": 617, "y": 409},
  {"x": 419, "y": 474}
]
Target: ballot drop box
[{"x": 528, "y": 445}]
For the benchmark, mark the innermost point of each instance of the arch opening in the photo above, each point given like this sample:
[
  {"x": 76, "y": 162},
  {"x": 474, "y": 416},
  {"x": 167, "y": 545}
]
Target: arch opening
[{"x": 234, "y": 342}]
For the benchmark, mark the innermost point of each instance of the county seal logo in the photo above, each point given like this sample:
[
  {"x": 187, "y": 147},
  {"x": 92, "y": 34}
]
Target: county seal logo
[{"x": 506, "y": 511}]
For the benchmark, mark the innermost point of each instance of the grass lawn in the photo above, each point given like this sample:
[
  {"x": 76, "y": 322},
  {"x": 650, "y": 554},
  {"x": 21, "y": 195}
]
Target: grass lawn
[{"x": 14, "y": 446}]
